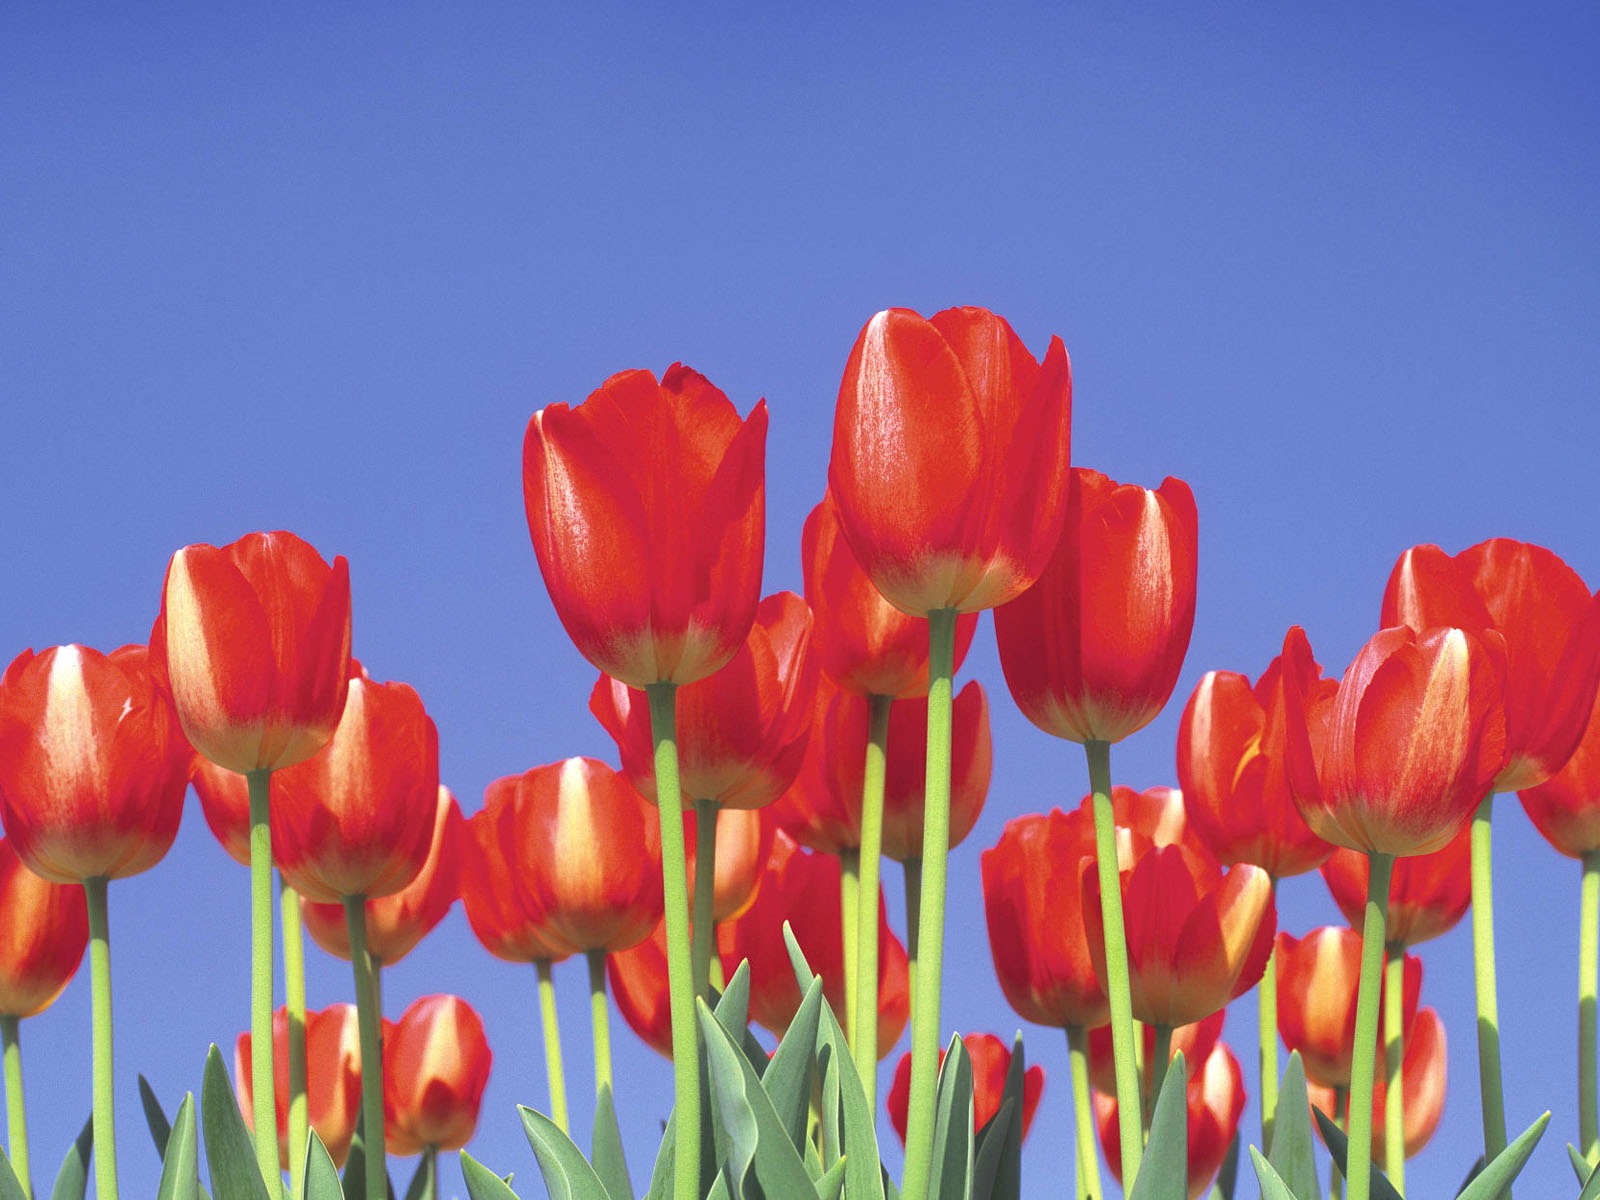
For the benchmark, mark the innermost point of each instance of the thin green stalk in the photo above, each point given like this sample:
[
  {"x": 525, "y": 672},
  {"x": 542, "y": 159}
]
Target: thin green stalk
[
  {"x": 1341, "y": 1118},
  {"x": 1489, "y": 1079},
  {"x": 555, "y": 1074},
  {"x": 1130, "y": 1117},
  {"x": 680, "y": 982},
  {"x": 263, "y": 1085},
  {"x": 913, "y": 885},
  {"x": 369, "y": 1021},
  {"x": 864, "y": 1017},
  {"x": 16, "y": 1113},
  {"x": 1083, "y": 1114},
  {"x": 600, "y": 1018},
  {"x": 105, "y": 1093},
  {"x": 429, "y": 1166},
  {"x": 925, "y": 1026},
  {"x": 1267, "y": 1022},
  {"x": 1394, "y": 1054},
  {"x": 1365, "y": 1052},
  {"x": 1160, "y": 1059},
  {"x": 703, "y": 928},
  {"x": 1588, "y": 968},
  {"x": 849, "y": 904},
  {"x": 294, "y": 987}
]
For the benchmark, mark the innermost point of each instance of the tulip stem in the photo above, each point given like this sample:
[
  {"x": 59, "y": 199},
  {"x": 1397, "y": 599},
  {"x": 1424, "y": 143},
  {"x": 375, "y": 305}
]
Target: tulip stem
[
  {"x": 263, "y": 1084},
  {"x": 913, "y": 874},
  {"x": 849, "y": 904},
  {"x": 864, "y": 1017},
  {"x": 294, "y": 987},
  {"x": 1083, "y": 1113},
  {"x": 703, "y": 928},
  {"x": 369, "y": 1020},
  {"x": 925, "y": 1024},
  {"x": 554, "y": 1072},
  {"x": 1394, "y": 1054},
  {"x": 1130, "y": 1117},
  {"x": 1365, "y": 1052},
  {"x": 105, "y": 1122},
  {"x": 600, "y": 1018},
  {"x": 16, "y": 1114},
  {"x": 1489, "y": 1080},
  {"x": 680, "y": 981},
  {"x": 429, "y": 1170},
  {"x": 1267, "y": 1021},
  {"x": 1588, "y": 968},
  {"x": 1160, "y": 1059}
]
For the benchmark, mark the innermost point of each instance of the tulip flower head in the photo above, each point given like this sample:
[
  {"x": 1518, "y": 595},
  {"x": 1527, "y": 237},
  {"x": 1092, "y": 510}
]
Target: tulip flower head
[
  {"x": 638, "y": 979},
  {"x": 1428, "y": 893},
  {"x": 1423, "y": 1080},
  {"x": 991, "y": 1062},
  {"x": 333, "y": 1077},
  {"x": 500, "y": 907},
  {"x": 435, "y": 1067},
  {"x": 1193, "y": 1041},
  {"x": 44, "y": 928},
  {"x": 1566, "y": 807}
]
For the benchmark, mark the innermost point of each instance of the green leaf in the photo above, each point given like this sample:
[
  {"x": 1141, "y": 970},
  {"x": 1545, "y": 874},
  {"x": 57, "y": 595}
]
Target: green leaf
[
  {"x": 154, "y": 1117},
  {"x": 567, "y": 1174},
  {"x": 991, "y": 1144},
  {"x": 733, "y": 1006},
  {"x": 610, "y": 1163},
  {"x": 828, "y": 1187},
  {"x": 355, "y": 1163},
  {"x": 1228, "y": 1173},
  {"x": 787, "y": 1079},
  {"x": 1580, "y": 1164},
  {"x": 1339, "y": 1147},
  {"x": 72, "y": 1181},
  {"x": 856, "y": 1135},
  {"x": 1293, "y": 1154},
  {"x": 1272, "y": 1187},
  {"x": 424, "y": 1183},
  {"x": 482, "y": 1183},
  {"x": 180, "y": 1163},
  {"x": 1591, "y": 1186},
  {"x": 1164, "y": 1173},
  {"x": 666, "y": 1155},
  {"x": 10, "y": 1185},
  {"x": 803, "y": 973},
  {"x": 322, "y": 1177},
  {"x": 1495, "y": 1179},
  {"x": 952, "y": 1126},
  {"x": 998, "y": 1175},
  {"x": 230, "y": 1157}
]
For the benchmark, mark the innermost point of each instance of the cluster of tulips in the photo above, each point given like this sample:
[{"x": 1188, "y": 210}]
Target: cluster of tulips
[{"x": 772, "y": 752}]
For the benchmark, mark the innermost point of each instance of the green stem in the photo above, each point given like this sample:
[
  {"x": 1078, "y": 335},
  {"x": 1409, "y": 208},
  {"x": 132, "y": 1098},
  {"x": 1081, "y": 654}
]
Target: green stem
[
  {"x": 1489, "y": 1080},
  {"x": 1394, "y": 1054},
  {"x": 703, "y": 927},
  {"x": 1588, "y": 968},
  {"x": 680, "y": 983},
  {"x": 1341, "y": 1118},
  {"x": 1160, "y": 1059},
  {"x": 849, "y": 906},
  {"x": 16, "y": 1114},
  {"x": 600, "y": 1017},
  {"x": 294, "y": 986},
  {"x": 105, "y": 1121},
  {"x": 1130, "y": 1118},
  {"x": 1267, "y": 996},
  {"x": 719, "y": 978},
  {"x": 1365, "y": 1052},
  {"x": 1083, "y": 1114},
  {"x": 925, "y": 1026},
  {"x": 263, "y": 1084},
  {"x": 913, "y": 885},
  {"x": 430, "y": 1172},
  {"x": 369, "y": 1021},
  {"x": 555, "y": 1073},
  {"x": 864, "y": 1017}
]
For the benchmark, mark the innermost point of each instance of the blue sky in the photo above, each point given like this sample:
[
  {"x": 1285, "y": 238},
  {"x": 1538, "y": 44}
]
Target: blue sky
[{"x": 314, "y": 269}]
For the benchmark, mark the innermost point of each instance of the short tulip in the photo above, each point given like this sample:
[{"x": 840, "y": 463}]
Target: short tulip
[
  {"x": 1193, "y": 1041},
  {"x": 638, "y": 979},
  {"x": 500, "y": 907},
  {"x": 225, "y": 803},
  {"x": 744, "y": 844},
  {"x": 1428, "y": 893},
  {"x": 1566, "y": 807},
  {"x": 44, "y": 928},
  {"x": 333, "y": 1077},
  {"x": 991, "y": 1062},
  {"x": 435, "y": 1067},
  {"x": 1423, "y": 1081}
]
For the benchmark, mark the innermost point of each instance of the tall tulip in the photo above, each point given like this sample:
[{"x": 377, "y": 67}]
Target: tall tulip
[
  {"x": 1428, "y": 893},
  {"x": 333, "y": 1087},
  {"x": 991, "y": 1062},
  {"x": 436, "y": 1065}
]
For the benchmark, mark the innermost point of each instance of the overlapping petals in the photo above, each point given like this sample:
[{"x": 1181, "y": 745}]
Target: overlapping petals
[
  {"x": 435, "y": 1066},
  {"x": 1215, "y": 1098},
  {"x": 1423, "y": 1079},
  {"x": 501, "y": 908},
  {"x": 1566, "y": 807},
  {"x": 991, "y": 1062},
  {"x": 44, "y": 928},
  {"x": 1317, "y": 983},
  {"x": 333, "y": 1077},
  {"x": 1428, "y": 893}
]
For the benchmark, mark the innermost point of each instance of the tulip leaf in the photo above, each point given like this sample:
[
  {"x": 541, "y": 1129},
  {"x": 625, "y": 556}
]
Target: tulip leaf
[
  {"x": 832, "y": 1181},
  {"x": 1272, "y": 1187},
  {"x": 72, "y": 1181},
  {"x": 998, "y": 1173},
  {"x": 1591, "y": 1186},
  {"x": 787, "y": 1079},
  {"x": 154, "y": 1117},
  {"x": 482, "y": 1183},
  {"x": 1228, "y": 1173},
  {"x": 666, "y": 1155},
  {"x": 10, "y": 1185},
  {"x": 1293, "y": 1152},
  {"x": 180, "y": 1162},
  {"x": 355, "y": 1163},
  {"x": 1495, "y": 1179},
  {"x": 1339, "y": 1148},
  {"x": 854, "y": 1124},
  {"x": 230, "y": 1157},
  {"x": 424, "y": 1183},
  {"x": 1164, "y": 1173},
  {"x": 952, "y": 1126},
  {"x": 322, "y": 1177},
  {"x": 567, "y": 1174},
  {"x": 610, "y": 1162},
  {"x": 803, "y": 973},
  {"x": 830, "y": 1094},
  {"x": 1580, "y": 1164},
  {"x": 991, "y": 1145}
]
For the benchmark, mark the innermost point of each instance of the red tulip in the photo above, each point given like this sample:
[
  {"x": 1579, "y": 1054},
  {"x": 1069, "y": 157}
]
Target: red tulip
[
  {"x": 1233, "y": 762},
  {"x": 1092, "y": 651},
  {"x": 44, "y": 927},
  {"x": 1428, "y": 893},
  {"x": 1566, "y": 807},
  {"x": 742, "y": 730},
  {"x": 396, "y": 923},
  {"x": 499, "y": 905},
  {"x": 225, "y": 802},
  {"x": 1035, "y": 913},
  {"x": 803, "y": 888},
  {"x": 1194, "y": 1041},
  {"x": 865, "y": 644},
  {"x": 1422, "y": 1082},
  {"x": 991, "y": 1061},
  {"x": 435, "y": 1067},
  {"x": 950, "y": 447},
  {"x": 92, "y": 765},
  {"x": 1317, "y": 979},
  {"x": 1215, "y": 1098},
  {"x": 744, "y": 844},
  {"x": 1197, "y": 937},
  {"x": 333, "y": 1077},
  {"x": 1156, "y": 816},
  {"x": 1416, "y": 735},
  {"x": 1551, "y": 627},
  {"x": 638, "y": 978},
  {"x": 255, "y": 639},
  {"x": 646, "y": 505},
  {"x": 357, "y": 819}
]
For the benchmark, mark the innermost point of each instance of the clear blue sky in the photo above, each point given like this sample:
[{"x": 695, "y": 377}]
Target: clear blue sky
[{"x": 314, "y": 269}]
